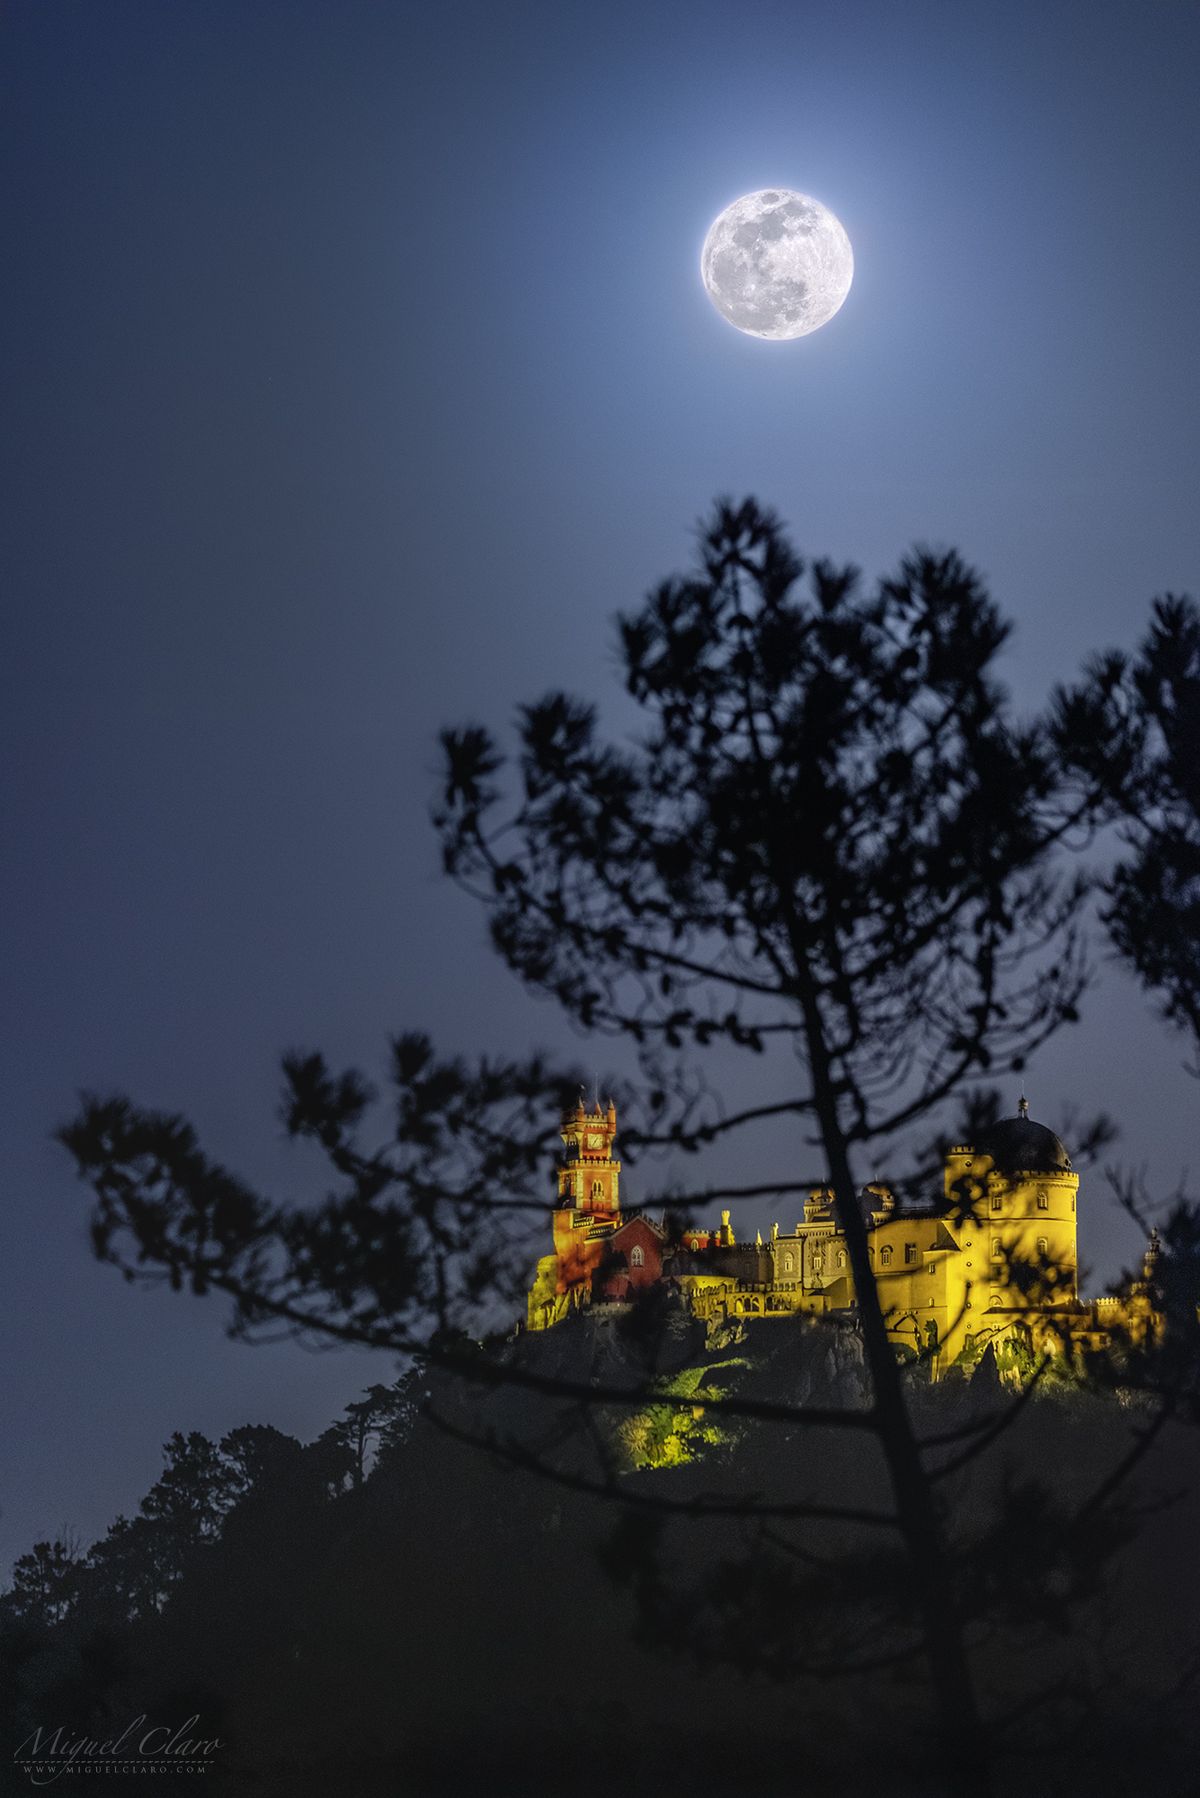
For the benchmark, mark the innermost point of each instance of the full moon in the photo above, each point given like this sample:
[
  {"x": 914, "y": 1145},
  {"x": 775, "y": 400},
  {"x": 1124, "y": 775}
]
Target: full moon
[{"x": 777, "y": 264}]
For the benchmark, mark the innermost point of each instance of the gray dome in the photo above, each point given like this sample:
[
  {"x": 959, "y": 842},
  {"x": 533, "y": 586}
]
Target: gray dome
[{"x": 1019, "y": 1146}]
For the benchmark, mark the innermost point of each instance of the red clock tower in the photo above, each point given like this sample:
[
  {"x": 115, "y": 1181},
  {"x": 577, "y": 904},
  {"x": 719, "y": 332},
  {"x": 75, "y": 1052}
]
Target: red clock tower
[{"x": 589, "y": 1207}]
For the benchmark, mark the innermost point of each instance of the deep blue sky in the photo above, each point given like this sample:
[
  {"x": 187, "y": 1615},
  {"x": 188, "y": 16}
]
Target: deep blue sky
[{"x": 356, "y": 370}]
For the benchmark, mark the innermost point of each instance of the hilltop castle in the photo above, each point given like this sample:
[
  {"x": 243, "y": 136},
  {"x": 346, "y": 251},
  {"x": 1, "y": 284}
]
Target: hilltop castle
[{"x": 996, "y": 1258}]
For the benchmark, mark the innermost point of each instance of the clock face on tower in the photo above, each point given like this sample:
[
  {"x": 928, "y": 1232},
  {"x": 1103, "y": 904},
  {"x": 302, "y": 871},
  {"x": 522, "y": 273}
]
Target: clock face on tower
[{"x": 595, "y": 1142}]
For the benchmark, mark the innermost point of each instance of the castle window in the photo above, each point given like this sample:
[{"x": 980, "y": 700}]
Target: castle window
[
  {"x": 597, "y": 1189},
  {"x": 910, "y": 1253},
  {"x": 1043, "y": 1247},
  {"x": 841, "y": 1257},
  {"x": 637, "y": 1255},
  {"x": 695, "y": 1242},
  {"x": 994, "y": 1300},
  {"x": 885, "y": 1257},
  {"x": 1043, "y": 1199},
  {"x": 787, "y": 1264},
  {"x": 997, "y": 1250}
]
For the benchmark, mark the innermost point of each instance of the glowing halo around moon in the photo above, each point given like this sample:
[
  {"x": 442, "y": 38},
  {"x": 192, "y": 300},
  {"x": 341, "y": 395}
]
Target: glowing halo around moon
[{"x": 777, "y": 264}]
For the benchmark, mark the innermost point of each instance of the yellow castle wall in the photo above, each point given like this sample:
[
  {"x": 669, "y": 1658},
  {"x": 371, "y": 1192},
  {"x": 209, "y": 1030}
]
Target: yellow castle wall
[{"x": 1002, "y": 1252}]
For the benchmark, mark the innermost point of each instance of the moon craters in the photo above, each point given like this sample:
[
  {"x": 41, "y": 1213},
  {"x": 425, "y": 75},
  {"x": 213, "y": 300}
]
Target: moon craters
[{"x": 777, "y": 264}]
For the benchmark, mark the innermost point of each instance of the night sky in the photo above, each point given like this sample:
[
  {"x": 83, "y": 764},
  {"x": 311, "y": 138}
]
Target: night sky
[{"x": 356, "y": 371}]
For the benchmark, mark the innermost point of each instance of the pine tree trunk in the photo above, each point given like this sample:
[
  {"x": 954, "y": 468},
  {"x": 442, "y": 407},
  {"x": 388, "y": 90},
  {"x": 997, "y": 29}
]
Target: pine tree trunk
[{"x": 964, "y": 1750}]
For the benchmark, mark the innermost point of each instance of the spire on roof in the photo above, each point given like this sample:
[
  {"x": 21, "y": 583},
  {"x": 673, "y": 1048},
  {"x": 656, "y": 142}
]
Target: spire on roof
[{"x": 1022, "y": 1106}]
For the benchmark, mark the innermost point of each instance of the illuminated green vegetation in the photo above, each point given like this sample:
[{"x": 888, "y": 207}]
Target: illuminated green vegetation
[{"x": 680, "y": 1429}]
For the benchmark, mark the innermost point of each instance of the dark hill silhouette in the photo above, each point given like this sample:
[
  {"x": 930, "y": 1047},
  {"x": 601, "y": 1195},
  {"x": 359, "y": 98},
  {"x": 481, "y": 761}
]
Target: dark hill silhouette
[{"x": 456, "y": 1620}]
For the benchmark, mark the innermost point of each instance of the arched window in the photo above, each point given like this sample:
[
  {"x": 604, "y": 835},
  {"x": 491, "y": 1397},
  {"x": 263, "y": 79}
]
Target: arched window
[
  {"x": 788, "y": 1264},
  {"x": 1043, "y": 1247},
  {"x": 1043, "y": 1199},
  {"x": 995, "y": 1201},
  {"x": 817, "y": 1262},
  {"x": 695, "y": 1243},
  {"x": 885, "y": 1257},
  {"x": 994, "y": 1300},
  {"x": 997, "y": 1249},
  {"x": 597, "y": 1189},
  {"x": 637, "y": 1255},
  {"x": 841, "y": 1257}
]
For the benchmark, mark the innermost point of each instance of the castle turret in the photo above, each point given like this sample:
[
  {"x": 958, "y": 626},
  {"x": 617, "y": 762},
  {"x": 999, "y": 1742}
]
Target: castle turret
[
  {"x": 589, "y": 1206},
  {"x": 1025, "y": 1202}
]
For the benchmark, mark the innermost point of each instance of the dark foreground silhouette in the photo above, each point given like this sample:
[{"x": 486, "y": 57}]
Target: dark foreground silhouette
[{"x": 392, "y": 1610}]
